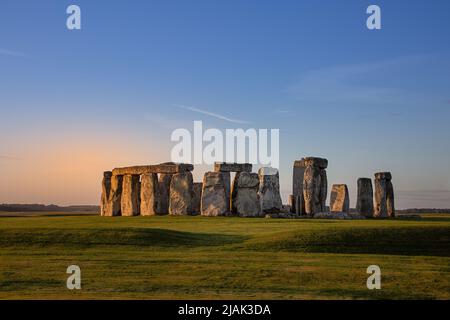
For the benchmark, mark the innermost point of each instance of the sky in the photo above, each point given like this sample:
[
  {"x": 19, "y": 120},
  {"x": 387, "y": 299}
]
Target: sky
[{"x": 75, "y": 103}]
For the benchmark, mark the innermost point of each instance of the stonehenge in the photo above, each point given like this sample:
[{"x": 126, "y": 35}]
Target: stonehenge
[
  {"x": 168, "y": 189},
  {"x": 364, "y": 200},
  {"x": 384, "y": 195},
  {"x": 339, "y": 199}
]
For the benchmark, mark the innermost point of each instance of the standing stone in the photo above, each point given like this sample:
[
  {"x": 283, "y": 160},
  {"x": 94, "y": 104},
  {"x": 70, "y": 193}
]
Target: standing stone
[
  {"x": 297, "y": 185},
  {"x": 384, "y": 195},
  {"x": 164, "y": 193},
  {"x": 291, "y": 203},
  {"x": 339, "y": 200},
  {"x": 106, "y": 190},
  {"x": 314, "y": 184},
  {"x": 323, "y": 189},
  {"x": 269, "y": 190},
  {"x": 214, "y": 199},
  {"x": 390, "y": 199},
  {"x": 245, "y": 200},
  {"x": 227, "y": 183},
  {"x": 130, "y": 195},
  {"x": 149, "y": 194},
  {"x": 364, "y": 202},
  {"x": 181, "y": 192},
  {"x": 197, "y": 197},
  {"x": 115, "y": 197}
]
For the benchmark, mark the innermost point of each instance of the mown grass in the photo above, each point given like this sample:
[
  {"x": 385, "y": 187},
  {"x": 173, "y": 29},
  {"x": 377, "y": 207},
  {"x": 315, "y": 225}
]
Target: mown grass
[{"x": 223, "y": 258}]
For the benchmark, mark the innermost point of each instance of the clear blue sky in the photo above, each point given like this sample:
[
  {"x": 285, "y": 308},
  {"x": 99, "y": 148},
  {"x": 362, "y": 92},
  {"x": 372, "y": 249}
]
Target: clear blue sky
[{"x": 75, "y": 103}]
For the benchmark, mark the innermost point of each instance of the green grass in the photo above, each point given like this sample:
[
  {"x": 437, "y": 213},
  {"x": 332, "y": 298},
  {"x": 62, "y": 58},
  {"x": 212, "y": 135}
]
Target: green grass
[{"x": 223, "y": 258}]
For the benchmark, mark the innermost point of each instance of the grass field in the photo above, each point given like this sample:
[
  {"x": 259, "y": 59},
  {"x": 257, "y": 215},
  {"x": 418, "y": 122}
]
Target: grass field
[{"x": 223, "y": 258}]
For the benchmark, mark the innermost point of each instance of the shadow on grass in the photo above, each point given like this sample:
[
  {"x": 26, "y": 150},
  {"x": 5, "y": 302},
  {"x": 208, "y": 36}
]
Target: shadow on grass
[
  {"x": 417, "y": 241},
  {"x": 118, "y": 236}
]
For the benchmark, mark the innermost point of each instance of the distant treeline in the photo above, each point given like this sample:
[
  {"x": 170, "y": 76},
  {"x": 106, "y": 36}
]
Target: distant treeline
[
  {"x": 47, "y": 208},
  {"x": 423, "y": 210}
]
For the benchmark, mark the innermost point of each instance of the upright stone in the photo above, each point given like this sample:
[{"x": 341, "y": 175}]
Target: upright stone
[
  {"x": 297, "y": 185},
  {"x": 364, "y": 202},
  {"x": 196, "y": 199},
  {"x": 164, "y": 192},
  {"x": 181, "y": 192},
  {"x": 382, "y": 183},
  {"x": 390, "y": 199},
  {"x": 106, "y": 190},
  {"x": 245, "y": 200},
  {"x": 339, "y": 200},
  {"x": 130, "y": 195},
  {"x": 269, "y": 190},
  {"x": 214, "y": 199},
  {"x": 323, "y": 189},
  {"x": 149, "y": 194},
  {"x": 115, "y": 197},
  {"x": 227, "y": 183}
]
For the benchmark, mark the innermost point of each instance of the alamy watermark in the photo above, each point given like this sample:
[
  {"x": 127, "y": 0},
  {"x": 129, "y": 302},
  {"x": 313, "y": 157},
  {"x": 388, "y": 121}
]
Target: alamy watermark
[{"x": 231, "y": 145}]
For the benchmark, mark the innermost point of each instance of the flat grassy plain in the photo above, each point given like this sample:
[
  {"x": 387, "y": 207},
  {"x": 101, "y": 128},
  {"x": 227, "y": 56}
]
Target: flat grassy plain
[{"x": 222, "y": 258}]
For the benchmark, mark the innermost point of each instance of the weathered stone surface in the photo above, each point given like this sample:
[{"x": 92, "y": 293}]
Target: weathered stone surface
[
  {"x": 164, "y": 193},
  {"x": 181, "y": 192},
  {"x": 232, "y": 167},
  {"x": 312, "y": 190},
  {"x": 149, "y": 194},
  {"x": 269, "y": 190},
  {"x": 297, "y": 181},
  {"x": 364, "y": 202},
  {"x": 312, "y": 161},
  {"x": 130, "y": 195},
  {"x": 384, "y": 195},
  {"x": 197, "y": 198},
  {"x": 115, "y": 197},
  {"x": 323, "y": 189},
  {"x": 106, "y": 190},
  {"x": 227, "y": 183},
  {"x": 339, "y": 200},
  {"x": 383, "y": 176},
  {"x": 157, "y": 168},
  {"x": 214, "y": 199},
  {"x": 245, "y": 200},
  {"x": 380, "y": 199},
  {"x": 291, "y": 203},
  {"x": 390, "y": 199}
]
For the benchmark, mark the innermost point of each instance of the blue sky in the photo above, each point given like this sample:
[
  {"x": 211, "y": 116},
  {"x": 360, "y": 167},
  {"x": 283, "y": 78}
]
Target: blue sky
[{"x": 75, "y": 103}]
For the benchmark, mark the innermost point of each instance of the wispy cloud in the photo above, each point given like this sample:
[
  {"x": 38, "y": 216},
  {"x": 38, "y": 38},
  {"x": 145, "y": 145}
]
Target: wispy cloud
[
  {"x": 211, "y": 114},
  {"x": 4, "y": 157},
  {"x": 12, "y": 53}
]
